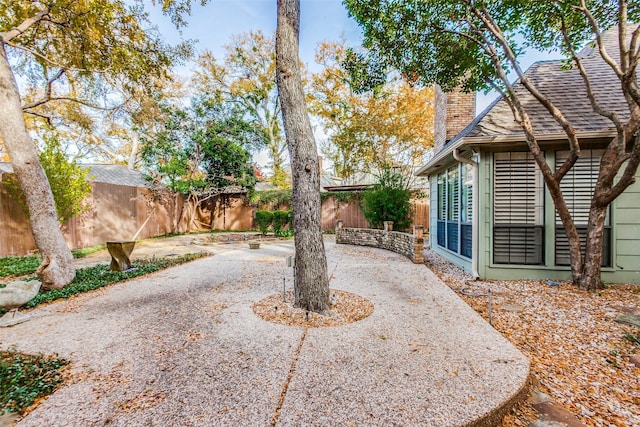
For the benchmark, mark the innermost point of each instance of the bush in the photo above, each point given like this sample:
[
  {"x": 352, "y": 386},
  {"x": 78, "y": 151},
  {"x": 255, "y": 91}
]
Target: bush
[
  {"x": 264, "y": 220},
  {"x": 388, "y": 201},
  {"x": 291, "y": 219},
  {"x": 280, "y": 220}
]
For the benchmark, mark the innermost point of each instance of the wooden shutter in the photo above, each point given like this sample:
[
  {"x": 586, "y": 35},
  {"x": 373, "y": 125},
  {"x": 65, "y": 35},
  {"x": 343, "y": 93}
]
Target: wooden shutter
[
  {"x": 518, "y": 210},
  {"x": 577, "y": 188}
]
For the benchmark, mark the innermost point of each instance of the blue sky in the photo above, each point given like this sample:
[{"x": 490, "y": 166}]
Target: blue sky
[{"x": 213, "y": 25}]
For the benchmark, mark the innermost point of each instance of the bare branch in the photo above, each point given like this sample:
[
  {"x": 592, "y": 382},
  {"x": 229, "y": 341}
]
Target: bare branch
[
  {"x": 24, "y": 26},
  {"x": 611, "y": 115},
  {"x": 597, "y": 33},
  {"x": 35, "y": 104},
  {"x": 47, "y": 60},
  {"x": 42, "y": 116}
]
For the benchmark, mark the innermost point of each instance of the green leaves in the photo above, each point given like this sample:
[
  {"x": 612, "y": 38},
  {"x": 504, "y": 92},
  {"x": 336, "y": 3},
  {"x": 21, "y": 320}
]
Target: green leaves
[
  {"x": 68, "y": 181},
  {"x": 203, "y": 148},
  {"x": 388, "y": 201},
  {"x": 24, "y": 378}
]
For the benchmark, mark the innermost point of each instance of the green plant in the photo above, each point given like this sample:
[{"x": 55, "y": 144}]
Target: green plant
[
  {"x": 388, "y": 201},
  {"x": 68, "y": 181},
  {"x": 280, "y": 219},
  {"x": 18, "y": 266},
  {"x": 23, "y": 265},
  {"x": 264, "y": 220},
  {"x": 341, "y": 196},
  {"x": 270, "y": 197},
  {"x": 286, "y": 233},
  {"x": 83, "y": 252},
  {"x": 90, "y": 278},
  {"x": 24, "y": 378}
]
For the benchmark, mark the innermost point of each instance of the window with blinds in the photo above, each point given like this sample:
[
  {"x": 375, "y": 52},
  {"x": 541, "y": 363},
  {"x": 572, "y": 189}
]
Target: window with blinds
[
  {"x": 455, "y": 195},
  {"x": 466, "y": 210},
  {"x": 518, "y": 210},
  {"x": 577, "y": 187}
]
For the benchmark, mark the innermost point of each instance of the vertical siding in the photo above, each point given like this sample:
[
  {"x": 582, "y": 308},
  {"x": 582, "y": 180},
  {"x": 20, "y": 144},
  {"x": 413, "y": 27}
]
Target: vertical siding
[{"x": 626, "y": 229}]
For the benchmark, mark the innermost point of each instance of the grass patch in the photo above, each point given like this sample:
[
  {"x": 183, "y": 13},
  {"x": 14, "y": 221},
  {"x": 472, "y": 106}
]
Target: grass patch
[
  {"x": 24, "y": 379},
  {"x": 83, "y": 252},
  {"x": 24, "y": 265}
]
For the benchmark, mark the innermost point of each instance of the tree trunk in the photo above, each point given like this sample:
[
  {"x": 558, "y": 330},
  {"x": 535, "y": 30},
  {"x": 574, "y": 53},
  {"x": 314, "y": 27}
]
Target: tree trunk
[
  {"x": 312, "y": 284},
  {"x": 57, "y": 269},
  {"x": 591, "y": 276}
]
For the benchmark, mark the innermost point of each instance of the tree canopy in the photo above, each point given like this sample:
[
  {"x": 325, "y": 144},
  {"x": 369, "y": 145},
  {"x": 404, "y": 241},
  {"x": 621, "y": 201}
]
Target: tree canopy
[
  {"x": 247, "y": 77},
  {"x": 373, "y": 122},
  {"x": 477, "y": 45},
  {"x": 73, "y": 56},
  {"x": 203, "y": 148}
]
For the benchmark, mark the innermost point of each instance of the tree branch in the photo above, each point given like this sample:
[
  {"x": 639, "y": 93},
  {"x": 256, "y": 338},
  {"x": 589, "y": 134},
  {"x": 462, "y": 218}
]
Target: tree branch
[
  {"x": 47, "y": 60},
  {"x": 24, "y": 26},
  {"x": 596, "y": 31}
]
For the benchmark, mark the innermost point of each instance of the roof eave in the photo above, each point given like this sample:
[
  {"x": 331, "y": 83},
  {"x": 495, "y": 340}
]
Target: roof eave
[{"x": 434, "y": 164}]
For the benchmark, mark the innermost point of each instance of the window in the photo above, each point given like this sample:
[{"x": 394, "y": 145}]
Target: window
[
  {"x": 455, "y": 195},
  {"x": 466, "y": 210},
  {"x": 518, "y": 210},
  {"x": 577, "y": 187}
]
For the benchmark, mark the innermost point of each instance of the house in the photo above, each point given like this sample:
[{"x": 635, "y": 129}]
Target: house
[{"x": 490, "y": 211}]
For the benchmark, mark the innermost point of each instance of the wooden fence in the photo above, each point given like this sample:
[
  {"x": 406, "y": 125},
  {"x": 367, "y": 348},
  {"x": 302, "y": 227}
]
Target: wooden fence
[
  {"x": 121, "y": 212},
  {"x": 232, "y": 213},
  {"x": 117, "y": 212}
]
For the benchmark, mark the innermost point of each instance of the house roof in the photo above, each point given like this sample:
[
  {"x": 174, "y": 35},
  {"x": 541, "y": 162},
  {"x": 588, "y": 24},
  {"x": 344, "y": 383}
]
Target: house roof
[
  {"x": 566, "y": 89},
  {"x": 108, "y": 174},
  {"x": 115, "y": 174}
]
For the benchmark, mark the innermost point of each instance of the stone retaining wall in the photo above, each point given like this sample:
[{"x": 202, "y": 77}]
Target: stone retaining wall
[{"x": 409, "y": 245}]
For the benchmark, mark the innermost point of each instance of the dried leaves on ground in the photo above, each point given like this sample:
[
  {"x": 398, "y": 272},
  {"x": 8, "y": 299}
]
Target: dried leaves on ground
[
  {"x": 579, "y": 354},
  {"x": 346, "y": 307}
]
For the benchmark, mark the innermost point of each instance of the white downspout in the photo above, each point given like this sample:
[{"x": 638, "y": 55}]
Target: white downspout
[{"x": 475, "y": 216}]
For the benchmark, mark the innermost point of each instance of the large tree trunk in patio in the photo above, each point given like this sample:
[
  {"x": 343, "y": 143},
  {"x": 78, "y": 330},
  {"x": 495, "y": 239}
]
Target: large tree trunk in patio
[
  {"x": 57, "y": 268},
  {"x": 312, "y": 284}
]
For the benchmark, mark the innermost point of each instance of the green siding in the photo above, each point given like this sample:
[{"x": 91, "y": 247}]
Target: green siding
[{"x": 625, "y": 226}]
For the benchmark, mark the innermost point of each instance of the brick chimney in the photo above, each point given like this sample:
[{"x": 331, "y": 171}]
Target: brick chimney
[{"x": 454, "y": 111}]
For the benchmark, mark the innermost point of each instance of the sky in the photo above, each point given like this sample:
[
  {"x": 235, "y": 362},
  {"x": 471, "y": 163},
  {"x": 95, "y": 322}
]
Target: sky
[{"x": 213, "y": 25}]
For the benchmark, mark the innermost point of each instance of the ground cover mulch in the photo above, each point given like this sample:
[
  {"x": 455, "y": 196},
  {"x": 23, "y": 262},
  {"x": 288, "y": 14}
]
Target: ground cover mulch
[
  {"x": 346, "y": 307},
  {"x": 580, "y": 356}
]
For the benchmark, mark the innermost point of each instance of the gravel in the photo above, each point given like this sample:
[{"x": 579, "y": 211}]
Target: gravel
[{"x": 184, "y": 347}]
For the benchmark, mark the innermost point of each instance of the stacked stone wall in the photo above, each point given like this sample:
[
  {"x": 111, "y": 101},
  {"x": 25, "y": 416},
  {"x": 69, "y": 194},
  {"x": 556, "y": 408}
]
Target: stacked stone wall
[{"x": 407, "y": 244}]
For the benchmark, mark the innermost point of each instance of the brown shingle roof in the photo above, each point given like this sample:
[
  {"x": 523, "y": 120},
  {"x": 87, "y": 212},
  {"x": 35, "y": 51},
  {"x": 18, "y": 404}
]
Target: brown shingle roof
[{"x": 566, "y": 89}]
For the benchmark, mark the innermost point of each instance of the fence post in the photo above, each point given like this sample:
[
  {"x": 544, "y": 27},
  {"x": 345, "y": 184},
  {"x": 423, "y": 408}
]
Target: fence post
[
  {"x": 388, "y": 225},
  {"x": 339, "y": 231},
  {"x": 418, "y": 244}
]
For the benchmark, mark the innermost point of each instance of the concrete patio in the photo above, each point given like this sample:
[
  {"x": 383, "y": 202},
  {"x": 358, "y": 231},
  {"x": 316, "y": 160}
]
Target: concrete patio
[{"x": 183, "y": 347}]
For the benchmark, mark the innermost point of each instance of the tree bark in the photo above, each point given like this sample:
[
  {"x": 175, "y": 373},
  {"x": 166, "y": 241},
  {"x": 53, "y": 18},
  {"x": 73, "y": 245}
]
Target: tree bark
[
  {"x": 57, "y": 269},
  {"x": 592, "y": 267},
  {"x": 311, "y": 282}
]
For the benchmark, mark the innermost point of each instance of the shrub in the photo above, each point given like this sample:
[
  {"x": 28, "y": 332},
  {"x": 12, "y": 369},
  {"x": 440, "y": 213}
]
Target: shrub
[
  {"x": 264, "y": 220},
  {"x": 388, "y": 201},
  {"x": 280, "y": 220}
]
